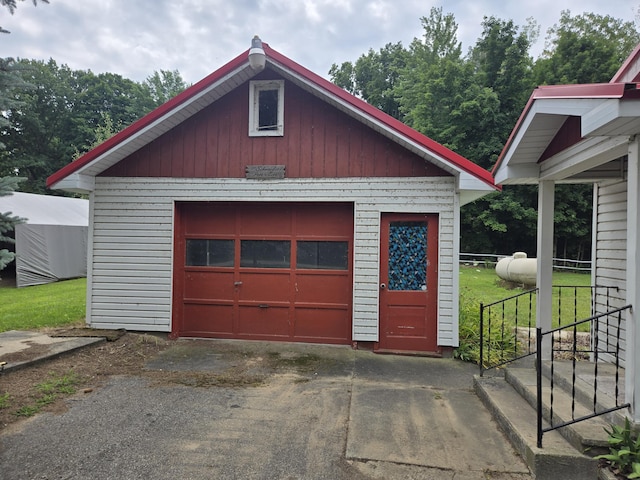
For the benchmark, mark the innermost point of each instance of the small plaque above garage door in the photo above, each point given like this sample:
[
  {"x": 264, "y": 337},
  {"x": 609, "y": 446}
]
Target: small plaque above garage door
[{"x": 264, "y": 172}]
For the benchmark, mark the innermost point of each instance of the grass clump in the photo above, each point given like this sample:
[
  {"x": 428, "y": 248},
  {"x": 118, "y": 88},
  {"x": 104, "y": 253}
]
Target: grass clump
[
  {"x": 48, "y": 392},
  {"x": 499, "y": 345},
  {"x": 303, "y": 362},
  {"x": 27, "y": 411},
  {"x": 59, "y": 385},
  {"x": 4, "y": 400}
]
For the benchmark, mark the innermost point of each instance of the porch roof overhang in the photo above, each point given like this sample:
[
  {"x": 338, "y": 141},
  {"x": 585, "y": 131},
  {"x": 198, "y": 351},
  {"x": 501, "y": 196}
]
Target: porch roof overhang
[
  {"x": 472, "y": 181},
  {"x": 571, "y": 134}
]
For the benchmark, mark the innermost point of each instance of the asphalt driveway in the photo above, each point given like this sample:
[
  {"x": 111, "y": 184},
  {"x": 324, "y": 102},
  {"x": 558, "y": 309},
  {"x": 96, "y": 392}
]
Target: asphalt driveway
[{"x": 321, "y": 413}]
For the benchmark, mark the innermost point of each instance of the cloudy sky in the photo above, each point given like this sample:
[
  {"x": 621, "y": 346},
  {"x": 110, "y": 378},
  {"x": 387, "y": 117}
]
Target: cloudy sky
[{"x": 134, "y": 38}]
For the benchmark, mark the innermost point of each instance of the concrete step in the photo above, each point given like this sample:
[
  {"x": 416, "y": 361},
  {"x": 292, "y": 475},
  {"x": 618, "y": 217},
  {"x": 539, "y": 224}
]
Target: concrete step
[
  {"x": 557, "y": 459},
  {"x": 587, "y": 436},
  {"x": 584, "y": 385}
]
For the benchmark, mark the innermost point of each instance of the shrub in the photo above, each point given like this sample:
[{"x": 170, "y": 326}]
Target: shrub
[
  {"x": 624, "y": 450},
  {"x": 500, "y": 344}
]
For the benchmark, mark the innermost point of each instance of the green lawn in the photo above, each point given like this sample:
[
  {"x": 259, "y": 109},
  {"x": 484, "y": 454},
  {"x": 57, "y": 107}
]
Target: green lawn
[
  {"x": 483, "y": 285},
  {"x": 486, "y": 285},
  {"x": 51, "y": 305}
]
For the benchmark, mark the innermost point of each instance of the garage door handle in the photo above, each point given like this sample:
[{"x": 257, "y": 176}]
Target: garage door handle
[
  {"x": 263, "y": 305},
  {"x": 237, "y": 284}
]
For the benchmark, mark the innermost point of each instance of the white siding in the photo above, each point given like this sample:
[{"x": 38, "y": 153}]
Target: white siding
[
  {"x": 131, "y": 272},
  {"x": 610, "y": 254}
]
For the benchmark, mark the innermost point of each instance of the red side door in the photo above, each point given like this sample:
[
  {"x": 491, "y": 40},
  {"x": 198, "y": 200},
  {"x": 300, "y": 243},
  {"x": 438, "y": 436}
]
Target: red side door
[{"x": 408, "y": 283}]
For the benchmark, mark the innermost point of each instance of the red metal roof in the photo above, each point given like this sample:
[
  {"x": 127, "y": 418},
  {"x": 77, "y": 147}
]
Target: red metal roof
[
  {"x": 616, "y": 88},
  {"x": 626, "y": 67},
  {"x": 317, "y": 81},
  {"x": 577, "y": 91},
  {"x": 585, "y": 90}
]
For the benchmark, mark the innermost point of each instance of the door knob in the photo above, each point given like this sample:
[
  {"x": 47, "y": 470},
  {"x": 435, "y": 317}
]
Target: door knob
[{"x": 382, "y": 286}]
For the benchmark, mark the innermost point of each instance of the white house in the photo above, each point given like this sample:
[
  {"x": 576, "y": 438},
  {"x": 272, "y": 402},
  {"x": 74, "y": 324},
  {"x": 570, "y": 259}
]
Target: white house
[{"x": 578, "y": 134}]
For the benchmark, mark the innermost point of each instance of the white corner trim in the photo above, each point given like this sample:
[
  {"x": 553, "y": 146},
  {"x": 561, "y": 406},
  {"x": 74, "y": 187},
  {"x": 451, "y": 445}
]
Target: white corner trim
[{"x": 76, "y": 182}]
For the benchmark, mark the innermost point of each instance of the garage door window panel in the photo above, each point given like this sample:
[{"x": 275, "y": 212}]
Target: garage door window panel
[
  {"x": 265, "y": 253},
  {"x": 324, "y": 255},
  {"x": 210, "y": 253}
]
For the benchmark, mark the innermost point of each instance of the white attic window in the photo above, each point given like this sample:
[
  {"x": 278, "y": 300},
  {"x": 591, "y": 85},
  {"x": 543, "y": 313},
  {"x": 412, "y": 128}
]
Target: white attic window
[{"x": 266, "y": 108}]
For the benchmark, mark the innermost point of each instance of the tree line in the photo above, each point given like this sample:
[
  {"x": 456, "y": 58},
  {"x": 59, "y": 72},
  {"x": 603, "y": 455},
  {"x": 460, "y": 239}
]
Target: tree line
[
  {"x": 50, "y": 114},
  {"x": 470, "y": 102},
  {"x": 59, "y": 113}
]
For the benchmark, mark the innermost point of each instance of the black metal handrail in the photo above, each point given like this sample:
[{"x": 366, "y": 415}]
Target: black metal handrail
[
  {"x": 486, "y": 347},
  {"x": 610, "y": 348},
  {"x": 504, "y": 327}
]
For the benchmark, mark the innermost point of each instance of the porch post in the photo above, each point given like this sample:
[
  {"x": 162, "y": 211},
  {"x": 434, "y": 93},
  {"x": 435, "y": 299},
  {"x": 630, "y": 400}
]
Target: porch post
[
  {"x": 632, "y": 351},
  {"x": 544, "y": 273}
]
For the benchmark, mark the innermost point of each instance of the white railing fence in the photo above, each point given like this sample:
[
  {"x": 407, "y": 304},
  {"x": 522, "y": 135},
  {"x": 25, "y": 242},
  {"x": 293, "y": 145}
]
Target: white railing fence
[{"x": 489, "y": 260}]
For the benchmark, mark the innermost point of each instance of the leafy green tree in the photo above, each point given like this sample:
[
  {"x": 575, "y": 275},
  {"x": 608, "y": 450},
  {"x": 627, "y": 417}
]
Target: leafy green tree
[
  {"x": 94, "y": 95},
  {"x": 502, "y": 63},
  {"x": 104, "y": 131},
  {"x": 502, "y": 222},
  {"x": 435, "y": 79},
  {"x": 63, "y": 114},
  {"x": 440, "y": 37},
  {"x": 506, "y": 221},
  {"x": 374, "y": 76},
  {"x": 467, "y": 104},
  {"x": 470, "y": 104},
  {"x": 344, "y": 76},
  {"x": 10, "y": 81},
  {"x": 39, "y": 133},
  {"x": 380, "y": 78},
  {"x": 587, "y": 48},
  {"x": 164, "y": 85},
  {"x": 573, "y": 221}
]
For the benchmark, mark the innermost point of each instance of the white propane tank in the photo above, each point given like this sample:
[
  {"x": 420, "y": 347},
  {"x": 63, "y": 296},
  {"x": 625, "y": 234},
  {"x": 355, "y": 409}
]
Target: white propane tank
[{"x": 518, "y": 269}]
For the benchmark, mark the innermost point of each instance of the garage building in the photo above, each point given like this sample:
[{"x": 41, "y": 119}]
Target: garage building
[{"x": 265, "y": 203}]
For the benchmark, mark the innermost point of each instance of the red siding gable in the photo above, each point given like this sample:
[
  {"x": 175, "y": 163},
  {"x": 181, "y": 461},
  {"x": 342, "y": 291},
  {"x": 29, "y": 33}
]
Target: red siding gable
[
  {"x": 568, "y": 135},
  {"x": 319, "y": 141}
]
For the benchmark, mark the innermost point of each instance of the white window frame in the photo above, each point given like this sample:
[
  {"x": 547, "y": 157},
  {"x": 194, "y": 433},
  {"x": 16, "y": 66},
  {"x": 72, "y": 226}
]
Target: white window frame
[{"x": 255, "y": 87}]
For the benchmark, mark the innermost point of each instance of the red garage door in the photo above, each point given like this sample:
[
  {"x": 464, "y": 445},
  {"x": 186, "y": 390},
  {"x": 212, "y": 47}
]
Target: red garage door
[{"x": 264, "y": 271}]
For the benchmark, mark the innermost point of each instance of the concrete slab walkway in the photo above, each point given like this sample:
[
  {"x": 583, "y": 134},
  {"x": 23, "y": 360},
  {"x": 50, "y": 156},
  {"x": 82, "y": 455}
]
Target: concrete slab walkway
[
  {"x": 19, "y": 348},
  {"x": 421, "y": 412},
  {"x": 356, "y": 415}
]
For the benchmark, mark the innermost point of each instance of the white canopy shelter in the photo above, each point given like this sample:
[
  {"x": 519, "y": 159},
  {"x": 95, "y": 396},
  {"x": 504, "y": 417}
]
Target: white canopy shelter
[{"x": 51, "y": 244}]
